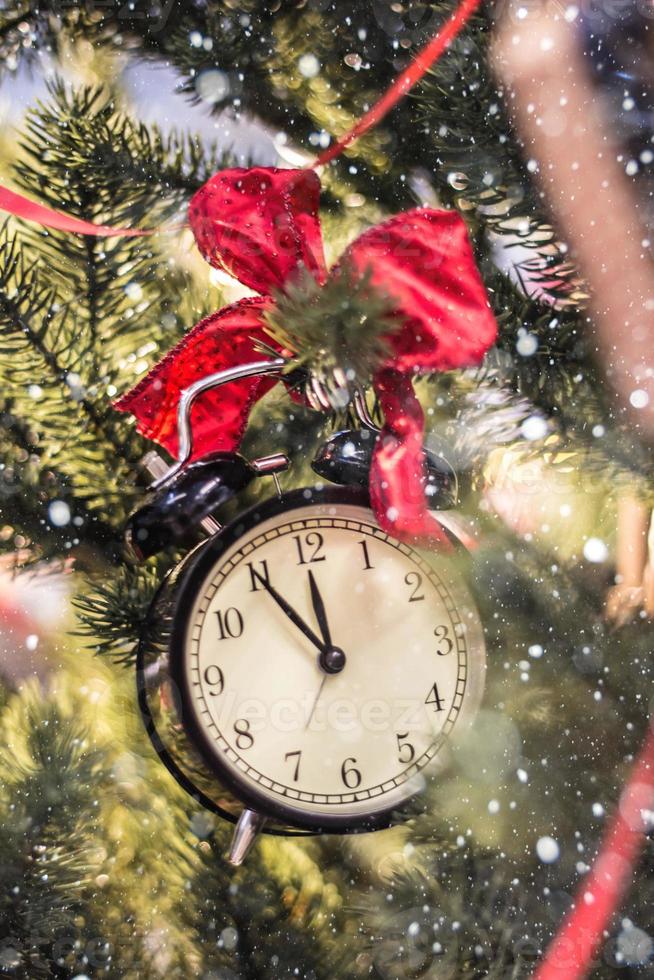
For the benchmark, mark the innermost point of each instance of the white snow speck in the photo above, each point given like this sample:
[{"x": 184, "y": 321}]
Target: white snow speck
[
  {"x": 533, "y": 428},
  {"x": 634, "y": 945},
  {"x": 212, "y": 86},
  {"x": 308, "y": 65},
  {"x": 133, "y": 291},
  {"x": 527, "y": 343},
  {"x": 228, "y": 939},
  {"x": 639, "y": 398},
  {"x": 595, "y": 550},
  {"x": 548, "y": 850},
  {"x": 59, "y": 513}
]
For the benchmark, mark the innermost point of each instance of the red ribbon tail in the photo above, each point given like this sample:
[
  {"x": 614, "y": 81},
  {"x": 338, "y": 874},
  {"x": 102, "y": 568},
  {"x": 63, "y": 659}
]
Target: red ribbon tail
[
  {"x": 23, "y": 207},
  {"x": 420, "y": 65},
  {"x": 397, "y": 475},
  {"x": 570, "y": 956}
]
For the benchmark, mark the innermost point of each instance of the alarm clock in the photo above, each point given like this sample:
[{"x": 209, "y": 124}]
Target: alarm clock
[{"x": 302, "y": 670}]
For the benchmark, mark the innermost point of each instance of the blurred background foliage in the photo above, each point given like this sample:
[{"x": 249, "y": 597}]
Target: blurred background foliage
[{"x": 106, "y": 867}]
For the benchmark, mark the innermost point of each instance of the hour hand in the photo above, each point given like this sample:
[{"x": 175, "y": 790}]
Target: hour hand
[
  {"x": 319, "y": 610},
  {"x": 332, "y": 659}
]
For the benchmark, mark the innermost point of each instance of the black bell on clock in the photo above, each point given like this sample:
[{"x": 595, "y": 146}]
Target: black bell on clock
[
  {"x": 178, "y": 507},
  {"x": 346, "y": 458},
  {"x": 174, "y": 511}
]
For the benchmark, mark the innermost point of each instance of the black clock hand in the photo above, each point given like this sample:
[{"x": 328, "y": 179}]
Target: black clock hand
[
  {"x": 332, "y": 659},
  {"x": 291, "y": 613},
  {"x": 319, "y": 609}
]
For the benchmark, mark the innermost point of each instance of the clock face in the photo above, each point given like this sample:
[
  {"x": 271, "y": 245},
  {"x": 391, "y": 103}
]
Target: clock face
[{"x": 324, "y": 665}]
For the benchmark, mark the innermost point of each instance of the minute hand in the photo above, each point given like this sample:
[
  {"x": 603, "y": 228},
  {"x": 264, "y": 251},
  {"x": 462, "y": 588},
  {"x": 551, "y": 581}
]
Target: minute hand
[{"x": 294, "y": 617}]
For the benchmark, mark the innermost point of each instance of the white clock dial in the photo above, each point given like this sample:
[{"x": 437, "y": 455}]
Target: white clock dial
[{"x": 326, "y": 663}]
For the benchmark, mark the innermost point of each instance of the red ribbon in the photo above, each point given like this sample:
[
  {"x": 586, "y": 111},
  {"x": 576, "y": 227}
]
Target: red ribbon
[
  {"x": 261, "y": 225},
  {"x": 23, "y": 207},
  {"x": 420, "y": 65},
  {"x": 571, "y": 953},
  {"x": 29, "y": 210}
]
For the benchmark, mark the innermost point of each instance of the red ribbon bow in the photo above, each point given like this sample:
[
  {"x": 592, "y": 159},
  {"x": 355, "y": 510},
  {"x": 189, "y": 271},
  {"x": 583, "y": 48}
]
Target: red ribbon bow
[{"x": 262, "y": 226}]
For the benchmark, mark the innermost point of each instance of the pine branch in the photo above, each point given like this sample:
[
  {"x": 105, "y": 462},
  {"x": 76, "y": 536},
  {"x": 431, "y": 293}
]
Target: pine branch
[
  {"x": 73, "y": 308},
  {"x": 342, "y": 326},
  {"x": 40, "y": 344},
  {"x": 113, "y": 615},
  {"x": 302, "y": 934},
  {"x": 48, "y": 820},
  {"x": 257, "y": 54},
  {"x": 114, "y": 164},
  {"x": 481, "y": 167},
  {"x": 28, "y": 489},
  {"x": 455, "y": 915},
  {"x": 545, "y": 356}
]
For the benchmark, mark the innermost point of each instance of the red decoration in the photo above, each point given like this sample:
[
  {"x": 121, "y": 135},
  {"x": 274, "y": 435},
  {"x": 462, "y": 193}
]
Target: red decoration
[
  {"x": 570, "y": 955},
  {"x": 423, "y": 61},
  {"x": 29, "y": 210},
  {"x": 262, "y": 226}
]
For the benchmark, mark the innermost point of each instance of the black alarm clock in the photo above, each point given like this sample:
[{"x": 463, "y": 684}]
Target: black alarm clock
[{"x": 302, "y": 669}]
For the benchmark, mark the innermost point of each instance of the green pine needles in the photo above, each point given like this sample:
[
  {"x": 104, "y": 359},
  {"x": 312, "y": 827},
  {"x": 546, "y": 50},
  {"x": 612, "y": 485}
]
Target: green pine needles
[{"x": 342, "y": 326}]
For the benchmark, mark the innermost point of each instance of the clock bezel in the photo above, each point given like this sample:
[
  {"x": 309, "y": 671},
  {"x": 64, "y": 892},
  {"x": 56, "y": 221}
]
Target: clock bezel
[{"x": 190, "y": 582}]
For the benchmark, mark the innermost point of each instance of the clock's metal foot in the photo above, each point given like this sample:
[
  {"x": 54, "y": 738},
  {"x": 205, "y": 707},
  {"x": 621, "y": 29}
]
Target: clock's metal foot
[{"x": 248, "y": 827}]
